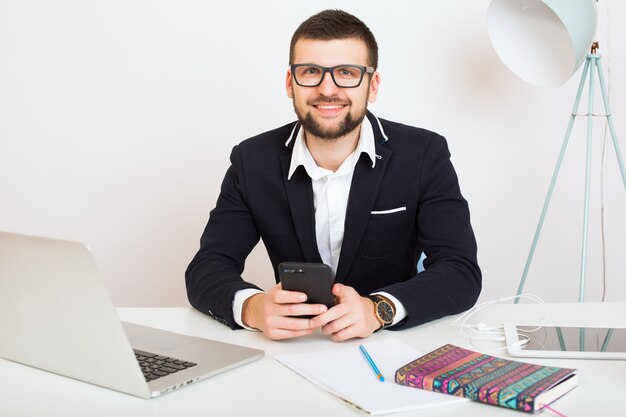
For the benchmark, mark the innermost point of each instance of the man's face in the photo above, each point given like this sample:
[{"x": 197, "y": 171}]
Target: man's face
[{"x": 328, "y": 111}]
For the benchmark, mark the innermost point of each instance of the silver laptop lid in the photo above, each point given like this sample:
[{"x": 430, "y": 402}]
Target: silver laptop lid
[{"x": 56, "y": 315}]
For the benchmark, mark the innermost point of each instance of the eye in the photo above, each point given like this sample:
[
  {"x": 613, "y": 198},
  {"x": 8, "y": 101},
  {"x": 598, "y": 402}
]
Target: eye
[
  {"x": 348, "y": 72},
  {"x": 308, "y": 71}
]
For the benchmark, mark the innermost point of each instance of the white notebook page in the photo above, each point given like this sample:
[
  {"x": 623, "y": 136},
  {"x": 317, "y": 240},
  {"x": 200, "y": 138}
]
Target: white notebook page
[{"x": 344, "y": 372}]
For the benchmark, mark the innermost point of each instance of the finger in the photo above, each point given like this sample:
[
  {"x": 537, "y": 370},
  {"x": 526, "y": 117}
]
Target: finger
[
  {"x": 338, "y": 325},
  {"x": 348, "y": 333},
  {"x": 290, "y": 323},
  {"x": 301, "y": 309},
  {"x": 333, "y": 313},
  {"x": 288, "y": 297}
]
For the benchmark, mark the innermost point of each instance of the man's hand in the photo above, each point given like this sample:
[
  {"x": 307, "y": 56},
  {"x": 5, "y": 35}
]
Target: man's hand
[
  {"x": 353, "y": 316},
  {"x": 270, "y": 311}
]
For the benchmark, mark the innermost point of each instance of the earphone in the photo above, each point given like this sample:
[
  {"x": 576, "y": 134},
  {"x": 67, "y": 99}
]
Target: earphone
[{"x": 484, "y": 327}]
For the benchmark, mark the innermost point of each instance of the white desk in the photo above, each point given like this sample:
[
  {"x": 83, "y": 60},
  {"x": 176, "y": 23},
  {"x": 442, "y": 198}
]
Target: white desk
[{"x": 266, "y": 387}]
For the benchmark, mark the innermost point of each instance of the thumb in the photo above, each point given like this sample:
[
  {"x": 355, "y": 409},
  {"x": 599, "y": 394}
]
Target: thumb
[
  {"x": 343, "y": 293},
  {"x": 338, "y": 290}
]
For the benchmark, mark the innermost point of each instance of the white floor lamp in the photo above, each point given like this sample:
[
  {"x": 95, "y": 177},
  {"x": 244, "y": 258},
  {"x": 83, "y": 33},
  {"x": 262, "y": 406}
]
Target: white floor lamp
[{"x": 544, "y": 42}]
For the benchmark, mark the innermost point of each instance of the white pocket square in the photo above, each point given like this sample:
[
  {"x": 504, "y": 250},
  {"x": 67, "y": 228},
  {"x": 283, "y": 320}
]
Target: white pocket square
[{"x": 395, "y": 210}]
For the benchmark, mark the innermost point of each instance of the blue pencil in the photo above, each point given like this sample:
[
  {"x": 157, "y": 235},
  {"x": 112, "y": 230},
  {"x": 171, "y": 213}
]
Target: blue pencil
[{"x": 372, "y": 364}]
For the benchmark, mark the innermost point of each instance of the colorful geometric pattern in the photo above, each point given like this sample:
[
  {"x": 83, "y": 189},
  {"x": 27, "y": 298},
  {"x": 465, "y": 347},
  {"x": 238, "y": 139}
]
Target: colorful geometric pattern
[{"x": 456, "y": 371}]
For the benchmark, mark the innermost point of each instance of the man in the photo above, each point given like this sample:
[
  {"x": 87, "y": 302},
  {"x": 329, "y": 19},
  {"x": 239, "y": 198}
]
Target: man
[{"x": 364, "y": 195}]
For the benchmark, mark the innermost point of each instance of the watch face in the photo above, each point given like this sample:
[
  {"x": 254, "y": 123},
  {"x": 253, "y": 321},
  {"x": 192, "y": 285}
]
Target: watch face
[{"x": 385, "y": 312}]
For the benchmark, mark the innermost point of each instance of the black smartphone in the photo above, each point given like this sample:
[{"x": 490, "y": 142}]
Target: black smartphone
[{"x": 313, "y": 279}]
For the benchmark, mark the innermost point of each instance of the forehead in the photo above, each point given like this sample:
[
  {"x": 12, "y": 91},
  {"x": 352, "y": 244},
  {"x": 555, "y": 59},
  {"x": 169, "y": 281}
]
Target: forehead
[{"x": 332, "y": 52}]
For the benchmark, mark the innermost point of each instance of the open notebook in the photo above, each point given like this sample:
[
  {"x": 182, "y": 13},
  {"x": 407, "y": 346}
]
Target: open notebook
[{"x": 344, "y": 372}]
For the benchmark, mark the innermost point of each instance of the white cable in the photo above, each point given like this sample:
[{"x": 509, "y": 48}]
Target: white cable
[
  {"x": 520, "y": 342},
  {"x": 483, "y": 332},
  {"x": 462, "y": 320}
]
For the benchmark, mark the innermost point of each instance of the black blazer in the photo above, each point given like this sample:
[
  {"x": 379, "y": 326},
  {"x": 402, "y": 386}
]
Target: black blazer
[{"x": 379, "y": 251}]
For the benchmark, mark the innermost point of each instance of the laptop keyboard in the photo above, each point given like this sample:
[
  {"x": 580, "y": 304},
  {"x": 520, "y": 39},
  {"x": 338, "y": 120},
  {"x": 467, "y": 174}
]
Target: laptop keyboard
[{"x": 156, "y": 366}]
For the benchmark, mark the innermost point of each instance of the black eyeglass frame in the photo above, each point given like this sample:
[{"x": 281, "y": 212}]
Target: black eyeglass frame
[{"x": 363, "y": 68}]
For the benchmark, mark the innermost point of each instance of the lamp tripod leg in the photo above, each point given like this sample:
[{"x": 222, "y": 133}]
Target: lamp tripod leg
[
  {"x": 583, "y": 261},
  {"x": 583, "y": 256},
  {"x": 609, "y": 119},
  {"x": 555, "y": 175}
]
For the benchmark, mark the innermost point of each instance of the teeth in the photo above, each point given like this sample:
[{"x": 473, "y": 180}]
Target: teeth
[{"x": 329, "y": 107}]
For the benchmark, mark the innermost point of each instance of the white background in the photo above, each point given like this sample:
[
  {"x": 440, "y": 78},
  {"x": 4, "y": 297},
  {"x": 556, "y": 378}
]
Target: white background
[{"x": 117, "y": 119}]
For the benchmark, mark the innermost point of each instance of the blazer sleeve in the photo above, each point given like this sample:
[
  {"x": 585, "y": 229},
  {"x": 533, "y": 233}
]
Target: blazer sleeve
[
  {"x": 214, "y": 275},
  {"x": 451, "y": 281}
]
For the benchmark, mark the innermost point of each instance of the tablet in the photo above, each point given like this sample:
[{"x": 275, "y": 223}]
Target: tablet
[{"x": 565, "y": 342}]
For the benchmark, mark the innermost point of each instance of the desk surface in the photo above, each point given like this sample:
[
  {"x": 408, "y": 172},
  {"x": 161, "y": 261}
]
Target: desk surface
[{"x": 266, "y": 387}]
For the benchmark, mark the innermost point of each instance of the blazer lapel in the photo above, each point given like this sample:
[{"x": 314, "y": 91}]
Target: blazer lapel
[
  {"x": 300, "y": 196},
  {"x": 366, "y": 183}
]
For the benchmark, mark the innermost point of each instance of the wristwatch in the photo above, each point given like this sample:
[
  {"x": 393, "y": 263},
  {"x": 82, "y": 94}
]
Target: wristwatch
[{"x": 384, "y": 310}]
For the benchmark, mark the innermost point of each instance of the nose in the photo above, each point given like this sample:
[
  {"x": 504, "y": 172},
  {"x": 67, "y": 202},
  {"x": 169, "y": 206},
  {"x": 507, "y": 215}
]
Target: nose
[{"x": 328, "y": 87}]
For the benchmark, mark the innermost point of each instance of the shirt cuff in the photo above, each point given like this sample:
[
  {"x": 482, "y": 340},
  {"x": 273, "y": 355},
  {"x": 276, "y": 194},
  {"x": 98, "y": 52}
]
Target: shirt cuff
[
  {"x": 400, "y": 310},
  {"x": 240, "y": 297}
]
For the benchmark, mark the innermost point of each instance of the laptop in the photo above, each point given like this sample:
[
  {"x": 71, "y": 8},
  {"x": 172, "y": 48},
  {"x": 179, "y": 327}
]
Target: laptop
[{"x": 56, "y": 315}]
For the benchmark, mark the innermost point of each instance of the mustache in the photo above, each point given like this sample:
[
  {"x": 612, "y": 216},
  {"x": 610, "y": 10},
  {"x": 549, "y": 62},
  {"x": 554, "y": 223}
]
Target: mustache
[{"x": 328, "y": 101}]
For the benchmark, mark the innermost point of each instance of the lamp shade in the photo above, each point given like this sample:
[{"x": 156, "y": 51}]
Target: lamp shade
[{"x": 542, "y": 41}]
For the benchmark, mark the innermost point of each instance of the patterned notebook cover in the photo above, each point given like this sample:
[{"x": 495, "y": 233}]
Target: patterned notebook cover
[{"x": 464, "y": 373}]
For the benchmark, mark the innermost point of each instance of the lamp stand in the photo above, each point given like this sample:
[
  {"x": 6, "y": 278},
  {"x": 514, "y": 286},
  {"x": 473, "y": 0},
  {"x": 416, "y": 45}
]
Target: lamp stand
[{"x": 592, "y": 63}]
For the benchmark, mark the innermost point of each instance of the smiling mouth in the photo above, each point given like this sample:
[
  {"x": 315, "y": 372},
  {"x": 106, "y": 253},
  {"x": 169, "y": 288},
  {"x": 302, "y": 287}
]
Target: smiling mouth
[
  {"x": 330, "y": 109},
  {"x": 329, "y": 106}
]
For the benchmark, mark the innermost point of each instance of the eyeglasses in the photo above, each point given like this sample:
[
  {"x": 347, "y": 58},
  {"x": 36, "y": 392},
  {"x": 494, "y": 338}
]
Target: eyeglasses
[{"x": 344, "y": 76}]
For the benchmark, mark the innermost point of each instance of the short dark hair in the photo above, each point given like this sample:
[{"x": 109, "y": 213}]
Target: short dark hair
[{"x": 335, "y": 24}]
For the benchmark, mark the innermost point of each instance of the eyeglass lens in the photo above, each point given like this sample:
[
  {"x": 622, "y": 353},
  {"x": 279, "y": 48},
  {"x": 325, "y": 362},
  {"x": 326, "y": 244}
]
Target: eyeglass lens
[{"x": 344, "y": 76}]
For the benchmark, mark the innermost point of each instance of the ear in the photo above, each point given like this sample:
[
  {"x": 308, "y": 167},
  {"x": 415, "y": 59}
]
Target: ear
[
  {"x": 374, "y": 83},
  {"x": 289, "y": 84}
]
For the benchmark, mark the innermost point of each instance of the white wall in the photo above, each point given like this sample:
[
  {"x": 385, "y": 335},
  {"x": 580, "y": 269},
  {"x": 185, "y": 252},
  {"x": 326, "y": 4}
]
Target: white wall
[{"x": 117, "y": 119}]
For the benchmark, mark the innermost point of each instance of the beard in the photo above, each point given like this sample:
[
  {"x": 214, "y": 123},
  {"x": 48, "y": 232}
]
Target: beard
[{"x": 347, "y": 125}]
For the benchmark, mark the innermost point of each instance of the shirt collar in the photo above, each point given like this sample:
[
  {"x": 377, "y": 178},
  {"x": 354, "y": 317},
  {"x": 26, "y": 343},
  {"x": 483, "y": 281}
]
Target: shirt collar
[{"x": 301, "y": 156}]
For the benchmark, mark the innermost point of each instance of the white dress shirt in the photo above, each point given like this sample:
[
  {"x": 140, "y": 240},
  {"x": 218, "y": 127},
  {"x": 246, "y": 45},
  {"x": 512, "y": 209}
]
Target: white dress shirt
[{"x": 330, "y": 201}]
